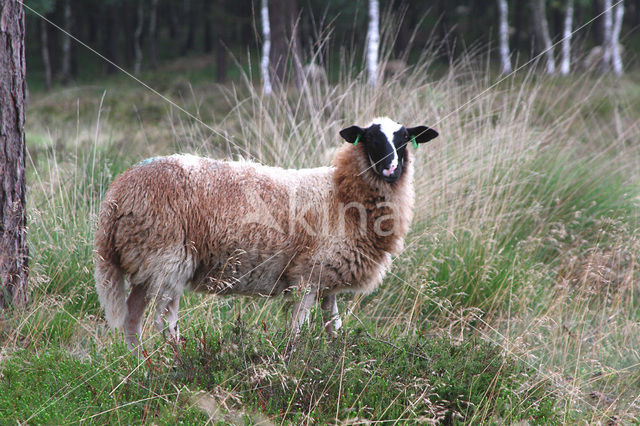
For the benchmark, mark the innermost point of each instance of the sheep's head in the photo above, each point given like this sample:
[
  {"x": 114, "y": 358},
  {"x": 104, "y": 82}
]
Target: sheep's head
[{"x": 385, "y": 143}]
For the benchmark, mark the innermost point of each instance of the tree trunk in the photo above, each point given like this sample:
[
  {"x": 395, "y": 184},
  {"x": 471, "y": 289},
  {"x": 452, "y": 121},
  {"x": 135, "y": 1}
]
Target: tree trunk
[
  {"x": 137, "y": 36},
  {"x": 109, "y": 38},
  {"x": 221, "y": 58},
  {"x": 126, "y": 23},
  {"x": 266, "y": 47},
  {"x": 279, "y": 46},
  {"x": 606, "y": 36},
  {"x": 542, "y": 33},
  {"x": 190, "y": 23},
  {"x": 174, "y": 28},
  {"x": 616, "y": 59},
  {"x": 44, "y": 50},
  {"x": 519, "y": 26},
  {"x": 14, "y": 253},
  {"x": 66, "y": 44},
  {"x": 373, "y": 42},
  {"x": 504, "y": 37},
  {"x": 208, "y": 30},
  {"x": 565, "y": 65},
  {"x": 294, "y": 38},
  {"x": 153, "y": 33}
]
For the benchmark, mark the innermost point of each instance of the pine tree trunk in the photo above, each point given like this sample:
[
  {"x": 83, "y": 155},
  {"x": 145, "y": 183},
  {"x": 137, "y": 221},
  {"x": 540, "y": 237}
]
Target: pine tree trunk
[
  {"x": 221, "y": 58},
  {"x": 190, "y": 23},
  {"x": 542, "y": 31},
  {"x": 266, "y": 47},
  {"x": 279, "y": 46},
  {"x": 373, "y": 42},
  {"x": 44, "y": 51},
  {"x": 153, "y": 33},
  {"x": 616, "y": 59},
  {"x": 137, "y": 38},
  {"x": 66, "y": 44},
  {"x": 504, "y": 37},
  {"x": 207, "y": 24},
  {"x": 565, "y": 65},
  {"x": 14, "y": 253},
  {"x": 109, "y": 40},
  {"x": 294, "y": 42}
]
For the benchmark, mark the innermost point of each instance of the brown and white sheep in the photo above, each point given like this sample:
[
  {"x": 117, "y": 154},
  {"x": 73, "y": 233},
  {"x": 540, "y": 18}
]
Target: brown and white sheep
[{"x": 177, "y": 222}]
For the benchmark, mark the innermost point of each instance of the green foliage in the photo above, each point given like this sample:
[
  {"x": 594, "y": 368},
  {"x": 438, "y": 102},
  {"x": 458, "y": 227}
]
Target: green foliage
[
  {"x": 41, "y": 7},
  {"x": 359, "y": 377},
  {"x": 57, "y": 388}
]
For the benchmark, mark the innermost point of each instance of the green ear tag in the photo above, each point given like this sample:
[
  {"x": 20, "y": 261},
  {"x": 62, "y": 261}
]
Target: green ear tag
[
  {"x": 357, "y": 139},
  {"x": 415, "y": 144}
]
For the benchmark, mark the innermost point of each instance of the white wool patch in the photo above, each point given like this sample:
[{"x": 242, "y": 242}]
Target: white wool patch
[
  {"x": 388, "y": 127},
  {"x": 188, "y": 161}
]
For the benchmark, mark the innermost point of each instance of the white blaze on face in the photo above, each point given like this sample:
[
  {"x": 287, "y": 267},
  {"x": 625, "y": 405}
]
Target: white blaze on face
[{"x": 388, "y": 127}]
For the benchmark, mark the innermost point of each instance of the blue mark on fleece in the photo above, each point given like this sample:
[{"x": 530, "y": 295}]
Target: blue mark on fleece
[{"x": 148, "y": 161}]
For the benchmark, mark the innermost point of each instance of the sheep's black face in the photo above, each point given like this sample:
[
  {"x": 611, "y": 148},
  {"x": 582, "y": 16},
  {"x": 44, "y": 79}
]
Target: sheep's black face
[{"x": 385, "y": 143}]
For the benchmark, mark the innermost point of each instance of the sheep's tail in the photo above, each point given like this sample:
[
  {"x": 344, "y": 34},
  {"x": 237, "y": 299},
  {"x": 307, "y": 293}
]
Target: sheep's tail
[
  {"x": 109, "y": 276},
  {"x": 110, "y": 288}
]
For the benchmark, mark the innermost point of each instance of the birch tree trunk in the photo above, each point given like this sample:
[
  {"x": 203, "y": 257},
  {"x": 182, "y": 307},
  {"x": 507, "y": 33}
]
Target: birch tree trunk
[
  {"x": 266, "y": 47},
  {"x": 373, "y": 42},
  {"x": 606, "y": 36},
  {"x": 14, "y": 254},
  {"x": 137, "y": 36},
  {"x": 616, "y": 60},
  {"x": 542, "y": 32},
  {"x": 44, "y": 51},
  {"x": 565, "y": 65},
  {"x": 504, "y": 37},
  {"x": 66, "y": 44}
]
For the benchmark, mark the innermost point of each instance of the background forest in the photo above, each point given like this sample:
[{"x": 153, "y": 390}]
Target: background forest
[
  {"x": 516, "y": 298},
  {"x": 144, "y": 34}
]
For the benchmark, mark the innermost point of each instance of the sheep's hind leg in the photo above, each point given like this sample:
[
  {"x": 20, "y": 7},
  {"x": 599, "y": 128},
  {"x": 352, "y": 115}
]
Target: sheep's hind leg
[
  {"x": 331, "y": 318},
  {"x": 136, "y": 302},
  {"x": 300, "y": 312}
]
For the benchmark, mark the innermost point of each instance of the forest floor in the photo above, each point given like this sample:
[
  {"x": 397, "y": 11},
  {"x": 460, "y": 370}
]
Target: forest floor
[{"x": 516, "y": 298}]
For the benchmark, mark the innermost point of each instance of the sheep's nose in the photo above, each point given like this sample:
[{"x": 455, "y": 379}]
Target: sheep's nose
[{"x": 388, "y": 172}]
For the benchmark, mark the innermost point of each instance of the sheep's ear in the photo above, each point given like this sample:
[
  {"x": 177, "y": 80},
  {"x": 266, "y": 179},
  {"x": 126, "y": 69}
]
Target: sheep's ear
[
  {"x": 422, "y": 134},
  {"x": 352, "y": 134}
]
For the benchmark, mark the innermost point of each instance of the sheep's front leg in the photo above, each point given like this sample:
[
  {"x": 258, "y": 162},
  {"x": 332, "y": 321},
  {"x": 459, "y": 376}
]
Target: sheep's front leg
[
  {"x": 172, "y": 318},
  {"x": 167, "y": 309},
  {"x": 300, "y": 312},
  {"x": 331, "y": 318}
]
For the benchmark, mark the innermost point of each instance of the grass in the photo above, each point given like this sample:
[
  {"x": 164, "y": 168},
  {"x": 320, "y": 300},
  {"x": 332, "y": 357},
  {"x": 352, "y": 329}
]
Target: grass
[{"x": 515, "y": 298}]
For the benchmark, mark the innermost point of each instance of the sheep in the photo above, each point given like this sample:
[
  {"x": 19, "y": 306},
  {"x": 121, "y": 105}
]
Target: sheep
[{"x": 238, "y": 227}]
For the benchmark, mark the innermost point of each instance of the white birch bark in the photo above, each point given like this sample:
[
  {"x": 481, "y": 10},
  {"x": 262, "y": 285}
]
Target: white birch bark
[
  {"x": 373, "y": 42},
  {"x": 565, "y": 64},
  {"x": 616, "y": 60},
  {"x": 542, "y": 28},
  {"x": 606, "y": 33},
  {"x": 504, "y": 37},
  {"x": 266, "y": 47}
]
